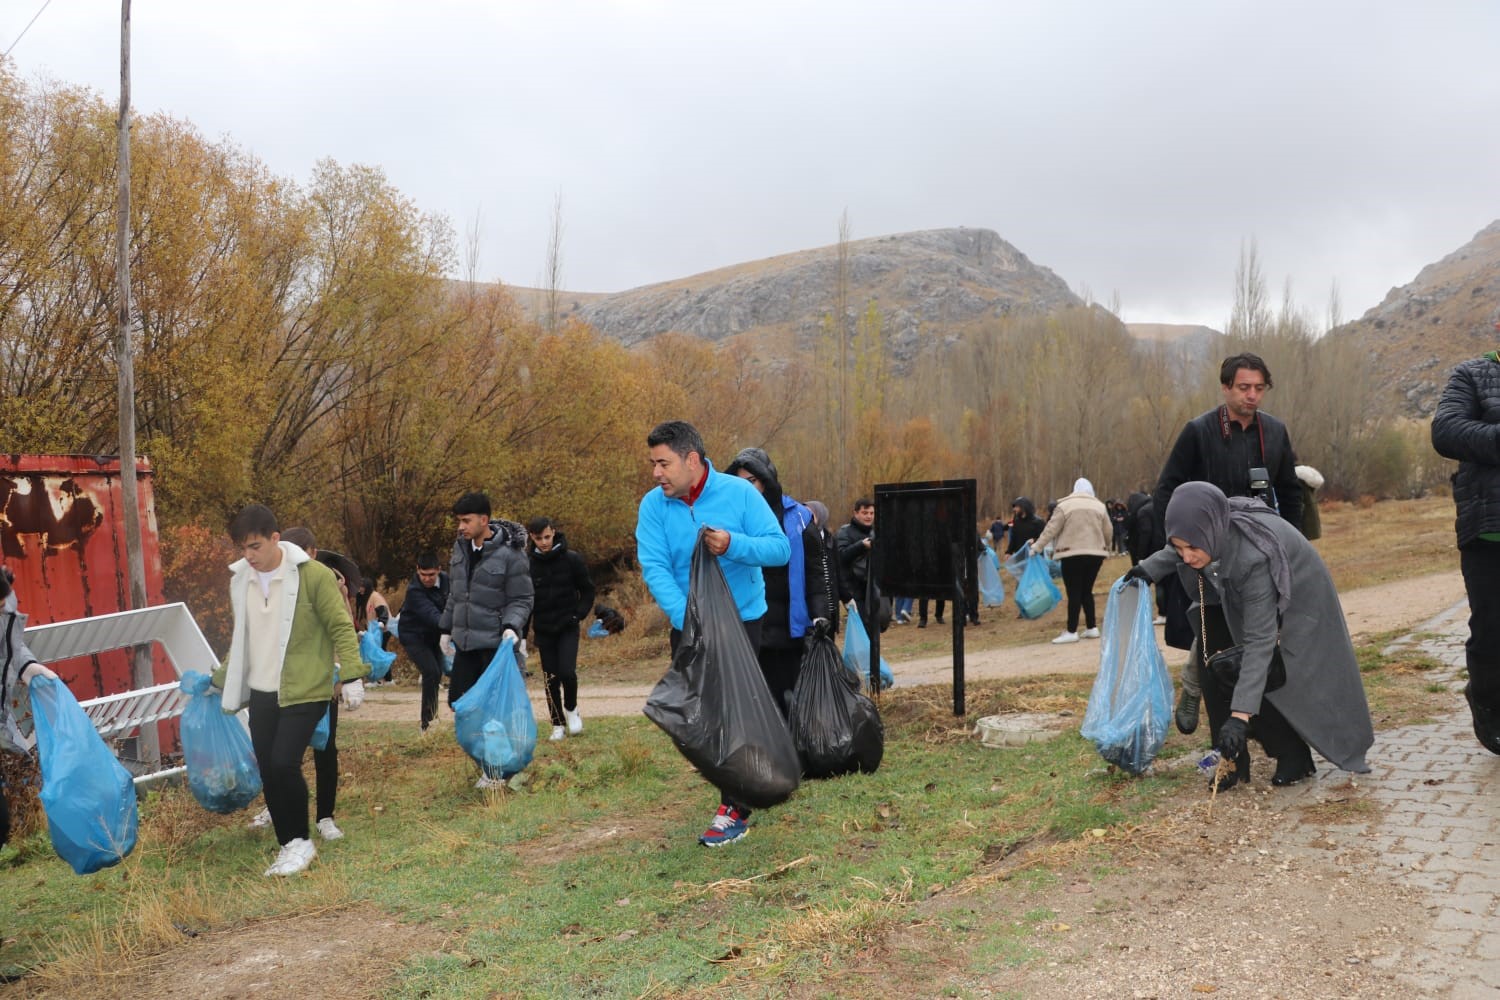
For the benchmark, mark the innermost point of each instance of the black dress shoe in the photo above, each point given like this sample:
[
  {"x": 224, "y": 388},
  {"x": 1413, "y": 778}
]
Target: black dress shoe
[
  {"x": 1486, "y": 721},
  {"x": 1291, "y": 770},
  {"x": 1186, "y": 713},
  {"x": 923, "y": 623}
]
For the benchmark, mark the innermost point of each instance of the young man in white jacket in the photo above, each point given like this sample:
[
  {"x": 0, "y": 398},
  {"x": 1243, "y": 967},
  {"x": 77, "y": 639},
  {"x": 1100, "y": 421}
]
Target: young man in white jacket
[{"x": 291, "y": 630}]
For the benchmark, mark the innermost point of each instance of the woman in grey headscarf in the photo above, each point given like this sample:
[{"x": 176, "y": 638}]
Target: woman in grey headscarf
[{"x": 1265, "y": 588}]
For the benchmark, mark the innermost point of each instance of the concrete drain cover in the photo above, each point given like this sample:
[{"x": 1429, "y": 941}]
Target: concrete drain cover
[{"x": 1015, "y": 730}]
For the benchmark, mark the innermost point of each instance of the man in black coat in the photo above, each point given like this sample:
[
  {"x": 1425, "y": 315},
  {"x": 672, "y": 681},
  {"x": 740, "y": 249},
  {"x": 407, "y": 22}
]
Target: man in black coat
[
  {"x": 1466, "y": 427},
  {"x": 421, "y": 611},
  {"x": 1025, "y": 526},
  {"x": 1244, "y": 452}
]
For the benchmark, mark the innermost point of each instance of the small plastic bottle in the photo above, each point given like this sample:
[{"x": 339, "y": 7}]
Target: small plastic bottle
[{"x": 1209, "y": 762}]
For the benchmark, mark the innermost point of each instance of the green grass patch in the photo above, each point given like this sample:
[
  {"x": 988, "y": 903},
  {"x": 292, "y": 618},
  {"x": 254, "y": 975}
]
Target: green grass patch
[{"x": 591, "y": 880}]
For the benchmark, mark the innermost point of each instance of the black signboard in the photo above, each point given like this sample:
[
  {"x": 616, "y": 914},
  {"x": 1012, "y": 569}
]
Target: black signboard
[{"x": 927, "y": 545}]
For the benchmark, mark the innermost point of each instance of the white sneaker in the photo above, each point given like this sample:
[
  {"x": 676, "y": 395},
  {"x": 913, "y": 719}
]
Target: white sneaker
[
  {"x": 575, "y": 721},
  {"x": 485, "y": 783},
  {"x": 328, "y": 829},
  {"x": 1159, "y": 620},
  {"x": 295, "y": 856},
  {"x": 1091, "y": 633},
  {"x": 1065, "y": 638},
  {"x": 261, "y": 821},
  {"x": 558, "y": 732}
]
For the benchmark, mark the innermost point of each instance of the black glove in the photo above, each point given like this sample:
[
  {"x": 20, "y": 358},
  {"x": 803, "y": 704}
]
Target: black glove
[
  {"x": 1138, "y": 572},
  {"x": 1232, "y": 736}
]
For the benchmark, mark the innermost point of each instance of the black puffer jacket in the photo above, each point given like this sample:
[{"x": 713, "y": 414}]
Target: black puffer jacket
[
  {"x": 564, "y": 591},
  {"x": 1466, "y": 426},
  {"x": 422, "y": 610}
]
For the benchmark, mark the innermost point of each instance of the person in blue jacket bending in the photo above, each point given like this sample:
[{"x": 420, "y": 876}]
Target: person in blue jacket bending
[{"x": 742, "y": 532}]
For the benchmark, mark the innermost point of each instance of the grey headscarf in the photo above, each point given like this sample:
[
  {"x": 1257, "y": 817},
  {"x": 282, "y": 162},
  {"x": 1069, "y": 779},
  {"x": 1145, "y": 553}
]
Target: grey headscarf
[{"x": 1201, "y": 515}]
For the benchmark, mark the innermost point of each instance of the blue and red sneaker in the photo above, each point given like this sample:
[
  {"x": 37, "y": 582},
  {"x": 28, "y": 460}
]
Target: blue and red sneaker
[{"x": 728, "y": 826}]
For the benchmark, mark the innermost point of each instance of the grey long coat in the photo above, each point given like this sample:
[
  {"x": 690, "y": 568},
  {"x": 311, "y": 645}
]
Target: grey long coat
[{"x": 1323, "y": 698}]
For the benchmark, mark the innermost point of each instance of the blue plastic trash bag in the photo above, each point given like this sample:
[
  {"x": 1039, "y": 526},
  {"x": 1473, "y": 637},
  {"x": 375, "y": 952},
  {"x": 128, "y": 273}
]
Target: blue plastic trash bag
[
  {"x": 323, "y": 732},
  {"x": 857, "y": 651},
  {"x": 393, "y": 627},
  {"x": 88, "y": 796},
  {"x": 1054, "y": 566},
  {"x": 371, "y": 651},
  {"x": 216, "y": 750},
  {"x": 1130, "y": 707},
  {"x": 1015, "y": 563},
  {"x": 447, "y": 665},
  {"x": 597, "y": 630},
  {"x": 991, "y": 587},
  {"x": 493, "y": 720},
  {"x": 1036, "y": 594}
]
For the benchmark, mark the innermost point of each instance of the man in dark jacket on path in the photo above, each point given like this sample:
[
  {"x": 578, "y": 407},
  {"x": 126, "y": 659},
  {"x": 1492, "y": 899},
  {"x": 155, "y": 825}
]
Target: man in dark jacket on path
[
  {"x": 1466, "y": 426},
  {"x": 854, "y": 542},
  {"x": 1025, "y": 526},
  {"x": 421, "y": 616},
  {"x": 564, "y": 596},
  {"x": 1246, "y": 453},
  {"x": 490, "y": 596}
]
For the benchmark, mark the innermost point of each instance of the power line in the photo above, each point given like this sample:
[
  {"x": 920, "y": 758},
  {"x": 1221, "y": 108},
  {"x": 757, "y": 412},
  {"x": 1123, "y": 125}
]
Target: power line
[{"x": 22, "y": 35}]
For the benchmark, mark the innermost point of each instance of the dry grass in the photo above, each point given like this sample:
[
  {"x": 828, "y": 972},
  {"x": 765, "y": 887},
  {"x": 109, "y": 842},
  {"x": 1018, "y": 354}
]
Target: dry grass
[{"x": 1389, "y": 540}]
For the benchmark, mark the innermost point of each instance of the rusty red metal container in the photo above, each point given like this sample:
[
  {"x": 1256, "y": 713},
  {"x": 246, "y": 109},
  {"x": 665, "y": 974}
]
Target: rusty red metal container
[{"x": 62, "y": 533}]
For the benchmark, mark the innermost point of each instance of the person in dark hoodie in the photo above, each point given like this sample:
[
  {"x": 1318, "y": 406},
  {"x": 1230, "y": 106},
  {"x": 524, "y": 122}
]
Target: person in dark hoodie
[
  {"x": 1025, "y": 526},
  {"x": 421, "y": 611},
  {"x": 490, "y": 595},
  {"x": 799, "y": 595},
  {"x": 563, "y": 597}
]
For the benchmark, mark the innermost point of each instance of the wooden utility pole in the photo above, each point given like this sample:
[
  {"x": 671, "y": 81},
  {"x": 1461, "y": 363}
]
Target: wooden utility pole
[{"x": 148, "y": 747}]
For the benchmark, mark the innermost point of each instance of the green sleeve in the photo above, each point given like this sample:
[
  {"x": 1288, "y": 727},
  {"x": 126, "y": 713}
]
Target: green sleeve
[{"x": 329, "y": 604}]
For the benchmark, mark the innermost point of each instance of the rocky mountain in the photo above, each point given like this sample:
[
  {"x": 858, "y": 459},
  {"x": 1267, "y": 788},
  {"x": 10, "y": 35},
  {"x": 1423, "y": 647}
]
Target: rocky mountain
[
  {"x": 936, "y": 279},
  {"x": 1445, "y": 315}
]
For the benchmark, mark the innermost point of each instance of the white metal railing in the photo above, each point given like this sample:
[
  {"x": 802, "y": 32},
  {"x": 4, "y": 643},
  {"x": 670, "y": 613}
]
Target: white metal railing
[{"x": 169, "y": 625}]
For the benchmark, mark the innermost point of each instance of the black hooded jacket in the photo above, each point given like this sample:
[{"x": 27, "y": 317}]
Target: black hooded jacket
[
  {"x": 817, "y": 588},
  {"x": 564, "y": 591},
  {"x": 1026, "y": 528}
]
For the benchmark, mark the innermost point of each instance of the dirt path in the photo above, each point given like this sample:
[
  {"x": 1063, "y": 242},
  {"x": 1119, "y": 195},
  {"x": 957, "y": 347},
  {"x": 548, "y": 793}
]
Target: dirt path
[{"x": 1368, "y": 611}]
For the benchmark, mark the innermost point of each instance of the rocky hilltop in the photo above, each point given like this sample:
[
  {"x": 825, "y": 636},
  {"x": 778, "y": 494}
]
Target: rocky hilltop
[
  {"x": 1445, "y": 315},
  {"x": 939, "y": 279}
]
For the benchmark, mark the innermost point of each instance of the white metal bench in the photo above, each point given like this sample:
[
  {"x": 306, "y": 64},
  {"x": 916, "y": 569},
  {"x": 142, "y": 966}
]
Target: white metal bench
[{"x": 170, "y": 626}]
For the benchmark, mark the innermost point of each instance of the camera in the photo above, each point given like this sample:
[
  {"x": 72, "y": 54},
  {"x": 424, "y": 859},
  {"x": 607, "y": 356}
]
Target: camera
[{"x": 1260, "y": 487}]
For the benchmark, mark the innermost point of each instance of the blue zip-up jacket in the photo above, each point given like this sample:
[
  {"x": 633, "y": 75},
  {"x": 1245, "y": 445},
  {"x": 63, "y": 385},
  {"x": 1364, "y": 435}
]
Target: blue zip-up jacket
[{"x": 666, "y": 529}]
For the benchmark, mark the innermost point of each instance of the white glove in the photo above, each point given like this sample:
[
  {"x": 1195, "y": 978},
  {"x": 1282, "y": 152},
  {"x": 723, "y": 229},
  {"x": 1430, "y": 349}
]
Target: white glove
[
  {"x": 354, "y": 695},
  {"x": 34, "y": 670},
  {"x": 445, "y": 643},
  {"x": 509, "y": 633}
]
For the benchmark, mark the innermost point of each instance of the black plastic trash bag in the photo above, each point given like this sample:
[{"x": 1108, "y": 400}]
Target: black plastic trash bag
[
  {"x": 714, "y": 703},
  {"x": 836, "y": 729}
]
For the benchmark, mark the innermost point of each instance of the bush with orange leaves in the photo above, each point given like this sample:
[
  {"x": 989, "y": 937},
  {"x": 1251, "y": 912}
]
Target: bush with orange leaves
[{"x": 194, "y": 569}]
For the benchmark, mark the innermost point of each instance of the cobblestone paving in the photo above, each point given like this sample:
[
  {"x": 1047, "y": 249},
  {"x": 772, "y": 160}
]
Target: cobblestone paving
[{"x": 1438, "y": 832}]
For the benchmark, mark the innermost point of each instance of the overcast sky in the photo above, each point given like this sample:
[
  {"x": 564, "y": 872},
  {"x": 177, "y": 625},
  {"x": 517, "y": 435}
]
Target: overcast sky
[{"x": 1131, "y": 147}]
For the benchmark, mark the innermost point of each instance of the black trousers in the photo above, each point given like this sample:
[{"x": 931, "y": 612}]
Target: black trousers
[
  {"x": 1079, "y": 574},
  {"x": 468, "y": 667},
  {"x": 429, "y": 661},
  {"x": 559, "y": 653},
  {"x": 781, "y": 665},
  {"x": 281, "y": 737},
  {"x": 1269, "y": 726},
  {"x": 752, "y": 630},
  {"x": 326, "y": 766},
  {"x": 1480, "y": 563}
]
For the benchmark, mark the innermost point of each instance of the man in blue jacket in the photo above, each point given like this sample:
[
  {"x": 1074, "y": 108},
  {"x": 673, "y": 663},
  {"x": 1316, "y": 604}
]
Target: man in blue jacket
[
  {"x": 742, "y": 532},
  {"x": 421, "y": 618}
]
